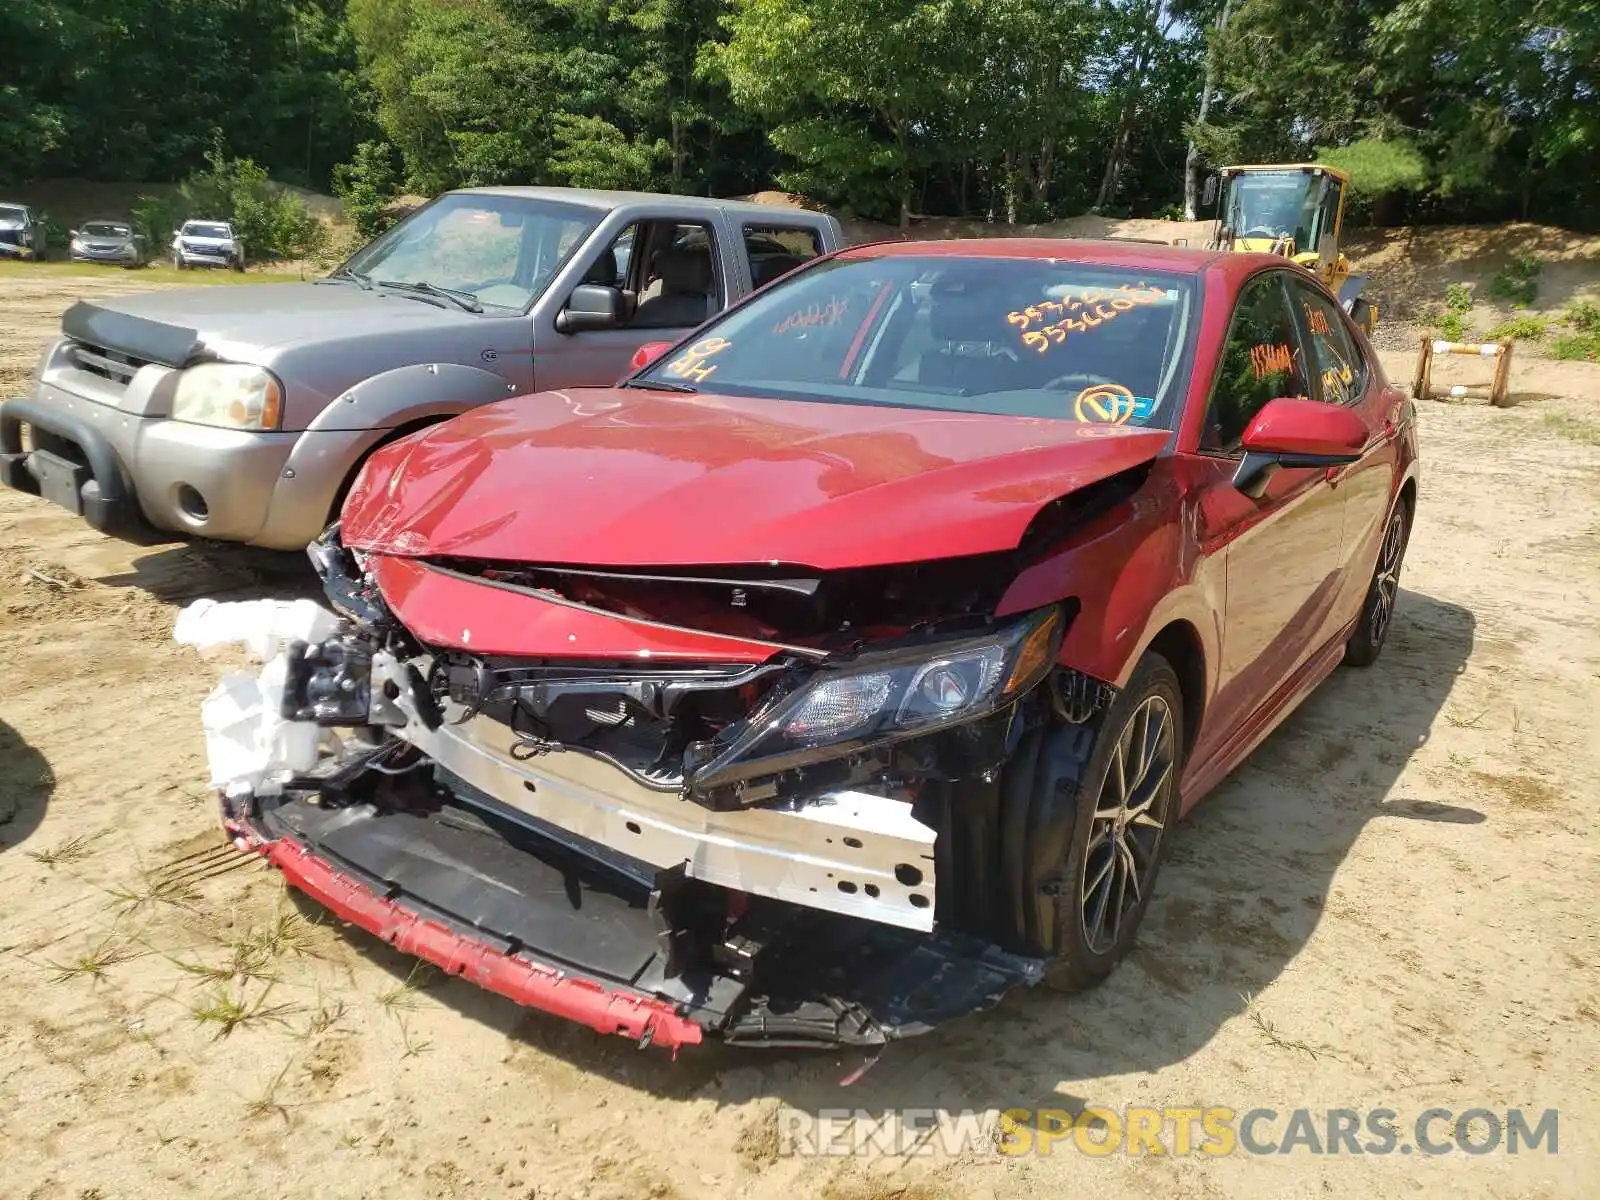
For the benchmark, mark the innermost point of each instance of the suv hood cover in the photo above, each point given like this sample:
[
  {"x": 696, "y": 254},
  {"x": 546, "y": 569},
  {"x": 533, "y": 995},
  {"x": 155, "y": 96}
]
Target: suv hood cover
[
  {"x": 270, "y": 314},
  {"x": 629, "y": 477}
]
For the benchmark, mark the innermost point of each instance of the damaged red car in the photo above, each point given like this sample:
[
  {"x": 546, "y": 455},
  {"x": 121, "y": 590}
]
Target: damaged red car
[{"x": 851, "y": 662}]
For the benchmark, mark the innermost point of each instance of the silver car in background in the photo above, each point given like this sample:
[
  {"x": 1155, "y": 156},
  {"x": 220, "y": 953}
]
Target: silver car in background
[
  {"x": 207, "y": 244},
  {"x": 21, "y": 232},
  {"x": 113, "y": 242}
]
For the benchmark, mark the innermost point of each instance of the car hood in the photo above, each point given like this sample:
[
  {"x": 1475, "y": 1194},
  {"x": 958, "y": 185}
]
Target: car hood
[
  {"x": 627, "y": 477},
  {"x": 271, "y": 314}
]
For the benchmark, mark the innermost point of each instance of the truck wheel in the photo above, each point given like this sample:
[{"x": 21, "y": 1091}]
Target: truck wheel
[
  {"x": 1084, "y": 815},
  {"x": 236, "y": 265},
  {"x": 177, "y": 262}
]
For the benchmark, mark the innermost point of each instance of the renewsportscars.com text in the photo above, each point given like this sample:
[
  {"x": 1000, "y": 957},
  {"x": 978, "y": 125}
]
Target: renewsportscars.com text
[{"x": 1098, "y": 1131}]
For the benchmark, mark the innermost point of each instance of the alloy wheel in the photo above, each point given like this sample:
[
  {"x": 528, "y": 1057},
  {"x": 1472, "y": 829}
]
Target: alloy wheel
[
  {"x": 1125, "y": 832},
  {"x": 1386, "y": 582}
]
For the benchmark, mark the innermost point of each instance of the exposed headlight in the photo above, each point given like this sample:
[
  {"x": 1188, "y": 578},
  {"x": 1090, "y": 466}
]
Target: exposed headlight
[
  {"x": 229, "y": 395},
  {"x": 895, "y": 694}
]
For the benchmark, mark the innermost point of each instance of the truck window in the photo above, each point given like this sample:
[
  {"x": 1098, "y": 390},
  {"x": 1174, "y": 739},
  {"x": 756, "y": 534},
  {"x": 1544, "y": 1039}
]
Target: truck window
[
  {"x": 775, "y": 250},
  {"x": 679, "y": 279}
]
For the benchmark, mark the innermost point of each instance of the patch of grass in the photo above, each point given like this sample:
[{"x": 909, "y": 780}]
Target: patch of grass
[
  {"x": 1584, "y": 316},
  {"x": 1583, "y": 347},
  {"x": 266, "y": 1102},
  {"x": 1530, "y": 329},
  {"x": 414, "y": 1046},
  {"x": 1573, "y": 428},
  {"x": 91, "y": 964},
  {"x": 150, "y": 888},
  {"x": 1517, "y": 282},
  {"x": 1465, "y": 722},
  {"x": 1269, "y": 1031},
  {"x": 1458, "y": 298},
  {"x": 151, "y": 274},
  {"x": 73, "y": 850},
  {"x": 1453, "y": 327},
  {"x": 402, "y": 998},
  {"x": 324, "y": 1017},
  {"x": 227, "y": 1010}
]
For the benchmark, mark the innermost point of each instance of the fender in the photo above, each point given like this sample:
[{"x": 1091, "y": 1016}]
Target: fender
[
  {"x": 352, "y": 426},
  {"x": 411, "y": 393}
]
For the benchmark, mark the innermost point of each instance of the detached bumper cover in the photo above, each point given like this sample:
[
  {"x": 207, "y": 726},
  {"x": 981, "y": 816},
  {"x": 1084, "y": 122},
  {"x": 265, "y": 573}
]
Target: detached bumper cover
[{"x": 645, "y": 1020}]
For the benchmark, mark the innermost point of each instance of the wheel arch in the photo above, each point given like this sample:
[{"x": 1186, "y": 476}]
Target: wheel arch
[{"x": 1180, "y": 644}]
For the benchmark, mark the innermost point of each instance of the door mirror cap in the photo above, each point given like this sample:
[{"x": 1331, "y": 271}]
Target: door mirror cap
[
  {"x": 591, "y": 306},
  {"x": 1294, "y": 431},
  {"x": 648, "y": 353}
]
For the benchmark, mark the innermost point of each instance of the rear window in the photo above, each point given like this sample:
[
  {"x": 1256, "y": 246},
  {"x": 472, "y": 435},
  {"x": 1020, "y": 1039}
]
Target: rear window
[{"x": 1016, "y": 337}]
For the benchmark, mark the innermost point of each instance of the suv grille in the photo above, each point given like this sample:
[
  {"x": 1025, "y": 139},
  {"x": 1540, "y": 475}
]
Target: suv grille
[{"x": 108, "y": 364}]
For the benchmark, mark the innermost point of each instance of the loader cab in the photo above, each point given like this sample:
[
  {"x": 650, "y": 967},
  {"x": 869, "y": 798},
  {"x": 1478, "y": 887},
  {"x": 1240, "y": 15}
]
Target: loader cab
[{"x": 1289, "y": 210}]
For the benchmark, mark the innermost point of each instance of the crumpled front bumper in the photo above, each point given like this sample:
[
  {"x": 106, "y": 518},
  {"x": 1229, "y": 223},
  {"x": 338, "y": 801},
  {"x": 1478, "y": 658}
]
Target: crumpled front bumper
[{"x": 557, "y": 884}]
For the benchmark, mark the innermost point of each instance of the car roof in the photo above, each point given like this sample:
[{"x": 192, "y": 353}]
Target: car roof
[
  {"x": 1109, "y": 252},
  {"x": 604, "y": 199}
]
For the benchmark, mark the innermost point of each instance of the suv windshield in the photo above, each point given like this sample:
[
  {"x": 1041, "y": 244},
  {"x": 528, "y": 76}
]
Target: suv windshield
[
  {"x": 201, "y": 229},
  {"x": 9, "y": 212},
  {"x": 501, "y": 250},
  {"x": 1015, "y": 337}
]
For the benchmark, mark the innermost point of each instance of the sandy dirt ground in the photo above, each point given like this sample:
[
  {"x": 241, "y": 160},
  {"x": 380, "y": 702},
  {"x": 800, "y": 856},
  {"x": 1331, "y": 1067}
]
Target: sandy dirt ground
[{"x": 1391, "y": 905}]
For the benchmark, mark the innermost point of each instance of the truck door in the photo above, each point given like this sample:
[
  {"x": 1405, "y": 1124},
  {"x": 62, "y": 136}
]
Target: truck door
[{"x": 672, "y": 275}]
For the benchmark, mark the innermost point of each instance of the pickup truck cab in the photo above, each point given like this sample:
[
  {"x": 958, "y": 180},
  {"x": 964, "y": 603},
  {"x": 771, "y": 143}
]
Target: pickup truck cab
[{"x": 243, "y": 413}]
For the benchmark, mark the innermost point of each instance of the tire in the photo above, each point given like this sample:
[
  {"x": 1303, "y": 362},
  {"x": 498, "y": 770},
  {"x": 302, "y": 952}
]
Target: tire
[
  {"x": 1377, "y": 611},
  {"x": 178, "y": 264},
  {"x": 1063, "y": 862}
]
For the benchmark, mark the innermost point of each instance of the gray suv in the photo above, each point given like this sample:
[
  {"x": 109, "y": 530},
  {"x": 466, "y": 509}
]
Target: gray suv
[{"x": 243, "y": 413}]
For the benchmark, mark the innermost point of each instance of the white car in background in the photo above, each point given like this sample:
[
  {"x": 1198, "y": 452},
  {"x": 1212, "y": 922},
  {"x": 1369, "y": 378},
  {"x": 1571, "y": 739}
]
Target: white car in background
[{"x": 207, "y": 244}]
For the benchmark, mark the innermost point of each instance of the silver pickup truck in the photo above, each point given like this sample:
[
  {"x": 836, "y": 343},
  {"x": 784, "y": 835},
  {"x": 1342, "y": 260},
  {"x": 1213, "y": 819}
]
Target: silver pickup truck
[{"x": 243, "y": 413}]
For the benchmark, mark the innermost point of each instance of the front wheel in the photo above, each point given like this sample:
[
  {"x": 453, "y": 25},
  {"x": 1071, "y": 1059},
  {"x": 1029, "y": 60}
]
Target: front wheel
[
  {"x": 177, "y": 262},
  {"x": 1082, "y": 903},
  {"x": 1377, "y": 613}
]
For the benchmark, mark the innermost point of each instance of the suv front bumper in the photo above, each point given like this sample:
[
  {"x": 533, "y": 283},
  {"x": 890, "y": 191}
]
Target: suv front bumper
[{"x": 124, "y": 472}]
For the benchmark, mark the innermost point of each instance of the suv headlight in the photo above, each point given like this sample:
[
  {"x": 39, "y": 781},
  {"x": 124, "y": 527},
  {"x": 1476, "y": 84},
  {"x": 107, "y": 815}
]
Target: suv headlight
[
  {"x": 229, "y": 395},
  {"x": 890, "y": 695}
]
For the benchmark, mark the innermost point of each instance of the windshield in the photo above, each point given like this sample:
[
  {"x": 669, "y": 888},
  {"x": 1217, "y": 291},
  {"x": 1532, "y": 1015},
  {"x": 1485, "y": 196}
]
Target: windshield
[
  {"x": 502, "y": 250},
  {"x": 206, "y": 230},
  {"x": 106, "y": 229},
  {"x": 1273, "y": 205},
  {"x": 1016, "y": 337}
]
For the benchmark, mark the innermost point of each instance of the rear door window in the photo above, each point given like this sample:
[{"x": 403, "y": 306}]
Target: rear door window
[
  {"x": 1340, "y": 369},
  {"x": 775, "y": 250},
  {"x": 1261, "y": 361}
]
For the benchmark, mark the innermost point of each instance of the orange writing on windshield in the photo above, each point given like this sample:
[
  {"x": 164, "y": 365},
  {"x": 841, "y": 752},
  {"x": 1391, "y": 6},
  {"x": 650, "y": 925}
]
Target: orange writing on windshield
[
  {"x": 691, "y": 364},
  {"x": 1120, "y": 300},
  {"x": 830, "y": 313},
  {"x": 1266, "y": 360}
]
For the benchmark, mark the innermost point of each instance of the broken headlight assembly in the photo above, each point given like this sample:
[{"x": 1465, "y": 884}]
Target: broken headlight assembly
[{"x": 888, "y": 695}]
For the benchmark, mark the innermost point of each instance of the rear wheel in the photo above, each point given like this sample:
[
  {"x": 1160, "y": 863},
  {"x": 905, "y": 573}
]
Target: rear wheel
[
  {"x": 1108, "y": 794},
  {"x": 1377, "y": 614}
]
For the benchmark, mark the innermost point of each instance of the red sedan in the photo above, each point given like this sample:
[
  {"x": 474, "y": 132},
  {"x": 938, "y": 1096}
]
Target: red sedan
[{"x": 852, "y": 661}]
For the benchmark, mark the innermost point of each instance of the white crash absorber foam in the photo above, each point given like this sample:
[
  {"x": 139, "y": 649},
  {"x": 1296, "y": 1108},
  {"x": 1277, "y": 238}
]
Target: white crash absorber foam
[{"x": 249, "y": 745}]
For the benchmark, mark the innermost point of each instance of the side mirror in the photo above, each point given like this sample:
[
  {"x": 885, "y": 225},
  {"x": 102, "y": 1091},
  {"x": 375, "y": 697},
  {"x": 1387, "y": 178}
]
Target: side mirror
[
  {"x": 72, "y": 233},
  {"x": 591, "y": 306},
  {"x": 648, "y": 353},
  {"x": 1208, "y": 195},
  {"x": 1297, "y": 432}
]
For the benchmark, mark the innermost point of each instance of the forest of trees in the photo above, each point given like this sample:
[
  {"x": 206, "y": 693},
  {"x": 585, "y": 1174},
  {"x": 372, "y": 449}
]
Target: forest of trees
[{"x": 1006, "y": 109}]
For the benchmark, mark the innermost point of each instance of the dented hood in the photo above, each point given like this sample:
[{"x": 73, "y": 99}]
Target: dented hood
[{"x": 628, "y": 477}]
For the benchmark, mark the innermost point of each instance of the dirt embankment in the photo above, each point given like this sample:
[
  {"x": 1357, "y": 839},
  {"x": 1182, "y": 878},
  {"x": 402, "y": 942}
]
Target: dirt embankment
[{"x": 1391, "y": 904}]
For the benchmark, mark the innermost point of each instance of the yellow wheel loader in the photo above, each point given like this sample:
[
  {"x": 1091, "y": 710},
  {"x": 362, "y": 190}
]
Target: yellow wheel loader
[{"x": 1295, "y": 210}]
